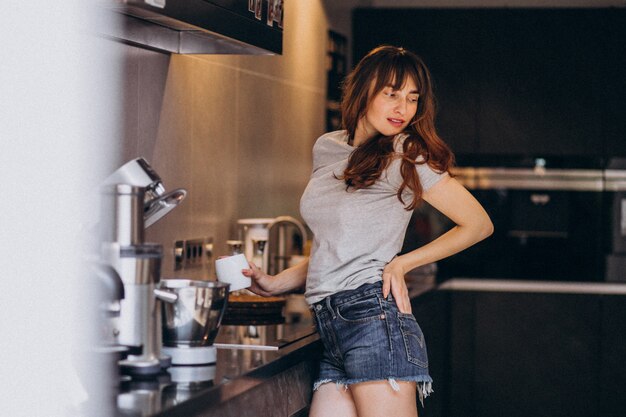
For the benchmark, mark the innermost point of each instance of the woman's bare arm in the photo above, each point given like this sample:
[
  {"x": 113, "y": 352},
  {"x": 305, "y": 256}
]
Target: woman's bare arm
[
  {"x": 287, "y": 280},
  {"x": 472, "y": 225}
]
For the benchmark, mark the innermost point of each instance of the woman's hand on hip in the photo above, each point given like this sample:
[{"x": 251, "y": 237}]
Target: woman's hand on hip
[{"x": 393, "y": 281}]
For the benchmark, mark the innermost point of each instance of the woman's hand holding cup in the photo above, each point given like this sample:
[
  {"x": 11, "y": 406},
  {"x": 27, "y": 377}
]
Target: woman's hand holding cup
[
  {"x": 239, "y": 273},
  {"x": 261, "y": 282}
]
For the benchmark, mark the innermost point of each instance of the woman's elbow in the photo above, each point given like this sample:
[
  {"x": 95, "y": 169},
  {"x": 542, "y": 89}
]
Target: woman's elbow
[{"x": 486, "y": 228}]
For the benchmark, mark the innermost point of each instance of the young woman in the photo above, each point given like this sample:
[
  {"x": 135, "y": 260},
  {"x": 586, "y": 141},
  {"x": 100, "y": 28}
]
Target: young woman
[{"x": 366, "y": 181}]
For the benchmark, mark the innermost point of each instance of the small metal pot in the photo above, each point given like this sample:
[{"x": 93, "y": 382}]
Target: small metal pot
[{"x": 194, "y": 318}]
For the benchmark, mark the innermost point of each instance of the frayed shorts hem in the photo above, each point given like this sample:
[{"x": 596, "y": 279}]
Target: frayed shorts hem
[{"x": 424, "y": 384}]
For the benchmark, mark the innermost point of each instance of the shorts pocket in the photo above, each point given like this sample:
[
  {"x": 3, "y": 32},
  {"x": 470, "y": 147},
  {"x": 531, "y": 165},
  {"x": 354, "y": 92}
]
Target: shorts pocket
[
  {"x": 362, "y": 309},
  {"x": 414, "y": 342}
]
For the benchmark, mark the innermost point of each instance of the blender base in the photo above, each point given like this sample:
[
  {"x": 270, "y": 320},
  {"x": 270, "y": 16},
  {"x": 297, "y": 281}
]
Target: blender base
[
  {"x": 192, "y": 374},
  {"x": 140, "y": 367},
  {"x": 185, "y": 355}
]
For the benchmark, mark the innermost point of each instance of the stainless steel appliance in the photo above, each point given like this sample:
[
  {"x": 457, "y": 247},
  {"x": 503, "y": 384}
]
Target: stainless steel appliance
[
  {"x": 615, "y": 203},
  {"x": 549, "y": 223},
  {"x": 190, "y": 324},
  {"x": 156, "y": 202},
  {"x": 132, "y": 197}
]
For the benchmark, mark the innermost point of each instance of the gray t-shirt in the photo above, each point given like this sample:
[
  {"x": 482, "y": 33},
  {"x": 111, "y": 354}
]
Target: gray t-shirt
[{"x": 356, "y": 232}]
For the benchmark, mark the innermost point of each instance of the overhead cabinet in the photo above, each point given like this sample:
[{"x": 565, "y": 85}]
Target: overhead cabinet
[
  {"x": 516, "y": 81},
  {"x": 200, "y": 26}
]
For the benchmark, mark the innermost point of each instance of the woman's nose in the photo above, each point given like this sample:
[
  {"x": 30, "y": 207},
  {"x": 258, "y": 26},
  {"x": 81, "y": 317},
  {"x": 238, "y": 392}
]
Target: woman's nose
[{"x": 401, "y": 107}]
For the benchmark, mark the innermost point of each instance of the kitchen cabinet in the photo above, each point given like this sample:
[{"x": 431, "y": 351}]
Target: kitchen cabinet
[
  {"x": 612, "y": 353},
  {"x": 431, "y": 310},
  {"x": 197, "y": 26},
  {"x": 539, "y": 82},
  {"x": 524, "y": 82},
  {"x": 613, "y": 86},
  {"x": 536, "y": 353},
  {"x": 448, "y": 44}
]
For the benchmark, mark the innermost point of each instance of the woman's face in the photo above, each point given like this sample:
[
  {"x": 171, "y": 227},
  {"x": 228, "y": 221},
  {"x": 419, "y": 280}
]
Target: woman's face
[{"x": 389, "y": 112}]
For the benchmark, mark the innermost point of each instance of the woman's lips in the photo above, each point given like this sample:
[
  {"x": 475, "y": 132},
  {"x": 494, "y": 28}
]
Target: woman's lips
[{"x": 395, "y": 122}]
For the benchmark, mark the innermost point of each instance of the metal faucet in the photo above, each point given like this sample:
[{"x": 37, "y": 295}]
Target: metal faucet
[{"x": 280, "y": 244}]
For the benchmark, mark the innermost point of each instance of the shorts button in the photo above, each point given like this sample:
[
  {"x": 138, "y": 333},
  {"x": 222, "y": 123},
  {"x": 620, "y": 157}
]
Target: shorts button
[{"x": 318, "y": 307}]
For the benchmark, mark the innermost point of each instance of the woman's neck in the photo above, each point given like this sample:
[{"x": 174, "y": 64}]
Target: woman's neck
[{"x": 360, "y": 135}]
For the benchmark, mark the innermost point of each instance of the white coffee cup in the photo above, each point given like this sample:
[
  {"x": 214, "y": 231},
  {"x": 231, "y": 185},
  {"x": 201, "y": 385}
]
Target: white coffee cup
[{"x": 228, "y": 270}]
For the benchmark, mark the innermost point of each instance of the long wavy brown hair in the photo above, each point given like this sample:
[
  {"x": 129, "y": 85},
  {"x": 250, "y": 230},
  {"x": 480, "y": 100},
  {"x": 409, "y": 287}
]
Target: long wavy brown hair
[{"x": 391, "y": 66}]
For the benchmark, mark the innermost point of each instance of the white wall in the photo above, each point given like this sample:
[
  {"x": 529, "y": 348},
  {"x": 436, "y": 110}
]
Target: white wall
[{"x": 55, "y": 121}]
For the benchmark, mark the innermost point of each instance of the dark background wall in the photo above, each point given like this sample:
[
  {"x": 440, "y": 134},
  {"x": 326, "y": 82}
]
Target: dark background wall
[{"x": 516, "y": 82}]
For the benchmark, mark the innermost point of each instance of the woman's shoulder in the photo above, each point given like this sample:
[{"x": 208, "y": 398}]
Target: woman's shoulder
[
  {"x": 337, "y": 136},
  {"x": 331, "y": 147},
  {"x": 332, "y": 141}
]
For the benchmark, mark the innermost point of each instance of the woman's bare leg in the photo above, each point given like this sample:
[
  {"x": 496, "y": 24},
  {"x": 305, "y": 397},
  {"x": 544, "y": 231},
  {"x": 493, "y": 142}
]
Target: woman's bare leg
[
  {"x": 332, "y": 401},
  {"x": 379, "y": 399}
]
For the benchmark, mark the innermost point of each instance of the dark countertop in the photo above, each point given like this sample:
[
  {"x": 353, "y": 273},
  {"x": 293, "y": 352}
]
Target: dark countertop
[
  {"x": 185, "y": 390},
  {"x": 236, "y": 370}
]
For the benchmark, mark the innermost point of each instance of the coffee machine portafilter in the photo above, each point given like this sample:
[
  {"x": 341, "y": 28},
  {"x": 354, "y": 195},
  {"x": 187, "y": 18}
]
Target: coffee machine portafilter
[{"x": 125, "y": 208}]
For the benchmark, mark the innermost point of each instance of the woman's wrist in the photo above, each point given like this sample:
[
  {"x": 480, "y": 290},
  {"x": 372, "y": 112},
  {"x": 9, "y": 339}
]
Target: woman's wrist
[{"x": 408, "y": 262}]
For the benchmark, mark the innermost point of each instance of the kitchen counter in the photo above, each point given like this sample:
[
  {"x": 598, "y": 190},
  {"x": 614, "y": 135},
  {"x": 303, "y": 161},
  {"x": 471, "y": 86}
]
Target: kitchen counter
[
  {"x": 273, "y": 377},
  {"x": 281, "y": 357}
]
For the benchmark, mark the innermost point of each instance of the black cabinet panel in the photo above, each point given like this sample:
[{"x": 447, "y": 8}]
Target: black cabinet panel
[
  {"x": 447, "y": 41},
  {"x": 462, "y": 391},
  {"x": 531, "y": 82},
  {"x": 613, "y": 371},
  {"x": 539, "y": 90},
  {"x": 613, "y": 83},
  {"x": 432, "y": 313},
  {"x": 537, "y": 354}
]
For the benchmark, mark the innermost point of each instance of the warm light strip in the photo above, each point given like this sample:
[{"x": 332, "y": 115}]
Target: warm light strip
[{"x": 503, "y": 285}]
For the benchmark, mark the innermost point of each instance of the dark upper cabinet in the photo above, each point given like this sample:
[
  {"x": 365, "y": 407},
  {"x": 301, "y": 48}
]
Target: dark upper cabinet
[
  {"x": 448, "y": 44},
  {"x": 613, "y": 83},
  {"x": 539, "y": 81},
  {"x": 529, "y": 82},
  {"x": 198, "y": 26}
]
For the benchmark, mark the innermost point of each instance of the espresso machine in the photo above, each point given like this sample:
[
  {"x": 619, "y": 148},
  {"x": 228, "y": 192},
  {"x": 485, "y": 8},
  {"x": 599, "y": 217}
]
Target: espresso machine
[{"x": 133, "y": 198}]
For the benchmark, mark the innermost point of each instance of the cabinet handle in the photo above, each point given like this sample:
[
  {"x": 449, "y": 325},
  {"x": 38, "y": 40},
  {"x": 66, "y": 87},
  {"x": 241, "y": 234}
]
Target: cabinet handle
[{"x": 540, "y": 199}]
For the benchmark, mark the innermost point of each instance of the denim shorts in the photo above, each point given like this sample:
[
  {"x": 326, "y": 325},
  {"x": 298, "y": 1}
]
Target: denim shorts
[{"x": 366, "y": 338}]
